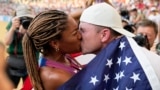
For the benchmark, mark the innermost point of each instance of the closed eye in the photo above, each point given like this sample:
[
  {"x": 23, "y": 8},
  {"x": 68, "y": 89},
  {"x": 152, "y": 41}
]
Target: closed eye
[
  {"x": 75, "y": 31},
  {"x": 81, "y": 30}
]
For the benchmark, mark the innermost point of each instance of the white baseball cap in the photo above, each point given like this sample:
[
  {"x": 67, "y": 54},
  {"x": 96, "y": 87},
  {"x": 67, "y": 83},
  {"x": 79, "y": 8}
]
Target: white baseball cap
[
  {"x": 103, "y": 14},
  {"x": 23, "y": 10}
]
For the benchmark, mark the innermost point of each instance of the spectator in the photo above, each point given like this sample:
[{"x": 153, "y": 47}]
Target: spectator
[
  {"x": 154, "y": 14},
  {"x": 150, "y": 29},
  {"x": 135, "y": 16},
  {"x": 16, "y": 67}
]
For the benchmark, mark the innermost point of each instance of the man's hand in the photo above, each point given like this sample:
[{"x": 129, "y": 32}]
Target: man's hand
[{"x": 15, "y": 23}]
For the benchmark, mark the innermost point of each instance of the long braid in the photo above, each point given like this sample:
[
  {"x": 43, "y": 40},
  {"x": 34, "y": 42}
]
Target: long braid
[
  {"x": 31, "y": 63},
  {"x": 44, "y": 27}
]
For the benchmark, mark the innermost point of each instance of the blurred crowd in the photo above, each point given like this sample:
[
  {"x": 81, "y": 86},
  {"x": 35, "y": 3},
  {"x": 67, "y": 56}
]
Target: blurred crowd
[
  {"x": 135, "y": 15},
  {"x": 136, "y": 10},
  {"x": 7, "y": 8},
  {"x": 143, "y": 6}
]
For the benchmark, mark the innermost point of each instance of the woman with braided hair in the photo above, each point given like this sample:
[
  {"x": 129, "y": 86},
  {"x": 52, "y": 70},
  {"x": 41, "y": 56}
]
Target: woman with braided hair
[{"x": 54, "y": 34}]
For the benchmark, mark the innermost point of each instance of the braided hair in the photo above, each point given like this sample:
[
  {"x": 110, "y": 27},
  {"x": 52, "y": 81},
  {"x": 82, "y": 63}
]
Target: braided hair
[{"x": 45, "y": 27}]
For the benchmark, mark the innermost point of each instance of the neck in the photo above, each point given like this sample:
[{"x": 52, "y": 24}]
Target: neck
[{"x": 56, "y": 57}]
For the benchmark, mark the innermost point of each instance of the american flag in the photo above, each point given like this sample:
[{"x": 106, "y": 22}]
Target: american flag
[{"x": 116, "y": 67}]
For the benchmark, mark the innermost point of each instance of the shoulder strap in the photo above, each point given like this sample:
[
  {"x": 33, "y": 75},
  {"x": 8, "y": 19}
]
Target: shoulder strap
[
  {"x": 60, "y": 66},
  {"x": 73, "y": 62}
]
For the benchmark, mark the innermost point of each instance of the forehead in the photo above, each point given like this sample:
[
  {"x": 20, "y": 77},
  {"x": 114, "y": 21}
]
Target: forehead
[
  {"x": 84, "y": 25},
  {"x": 144, "y": 29},
  {"x": 71, "y": 26},
  {"x": 71, "y": 23}
]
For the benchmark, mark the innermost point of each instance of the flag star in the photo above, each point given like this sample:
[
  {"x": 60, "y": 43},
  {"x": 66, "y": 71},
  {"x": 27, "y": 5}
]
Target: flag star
[
  {"x": 106, "y": 78},
  {"x": 119, "y": 61},
  {"x": 109, "y": 63},
  {"x": 116, "y": 88},
  {"x": 121, "y": 74},
  {"x": 75, "y": 71},
  {"x": 94, "y": 80},
  {"x": 135, "y": 77},
  {"x": 128, "y": 88},
  {"x": 117, "y": 77},
  {"x": 122, "y": 45},
  {"x": 127, "y": 60}
]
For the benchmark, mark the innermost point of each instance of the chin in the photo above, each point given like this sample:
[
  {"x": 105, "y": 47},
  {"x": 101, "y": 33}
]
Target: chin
[
  {"x": 79, "y": 50},
  {"x": 76, "y": 51},
  {"x": 84, "y": 52},
  {"x": 88, "y": 52}
]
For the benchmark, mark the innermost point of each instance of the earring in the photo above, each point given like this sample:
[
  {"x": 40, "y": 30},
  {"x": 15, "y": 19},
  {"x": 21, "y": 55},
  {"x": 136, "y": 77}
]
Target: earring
[
  {"x": 41, "y": 50},
  {"x": 57, "y": 49}
]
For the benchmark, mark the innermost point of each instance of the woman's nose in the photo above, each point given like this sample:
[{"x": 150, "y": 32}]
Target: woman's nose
[{"x": 79, "y": 36}]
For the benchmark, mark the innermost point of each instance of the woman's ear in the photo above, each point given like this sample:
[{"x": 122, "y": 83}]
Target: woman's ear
[
  {"x": 54, "y": 44},
  {"x": 105, "y": 34}
]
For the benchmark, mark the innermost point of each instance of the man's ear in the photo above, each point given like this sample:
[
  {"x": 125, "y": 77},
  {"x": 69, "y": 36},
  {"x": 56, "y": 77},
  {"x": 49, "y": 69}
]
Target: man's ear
[{"x": 105, "y": 34}]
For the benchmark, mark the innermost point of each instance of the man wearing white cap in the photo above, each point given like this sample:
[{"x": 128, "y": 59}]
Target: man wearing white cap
[
  {"x": 117, "y": 66},
  {"x": 16, "y": 67}
]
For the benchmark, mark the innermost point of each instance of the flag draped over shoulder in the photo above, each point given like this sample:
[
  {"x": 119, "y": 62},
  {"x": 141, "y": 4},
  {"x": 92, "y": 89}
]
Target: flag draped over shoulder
[{"x": 116, "y": 67}]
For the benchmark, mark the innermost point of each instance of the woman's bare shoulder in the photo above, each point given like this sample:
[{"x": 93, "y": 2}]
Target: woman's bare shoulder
[{"x": 52, "y": 78}]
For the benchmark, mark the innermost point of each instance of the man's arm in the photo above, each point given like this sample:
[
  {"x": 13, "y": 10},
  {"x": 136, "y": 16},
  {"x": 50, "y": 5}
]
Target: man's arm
[{"x": 10, "y": 33}]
